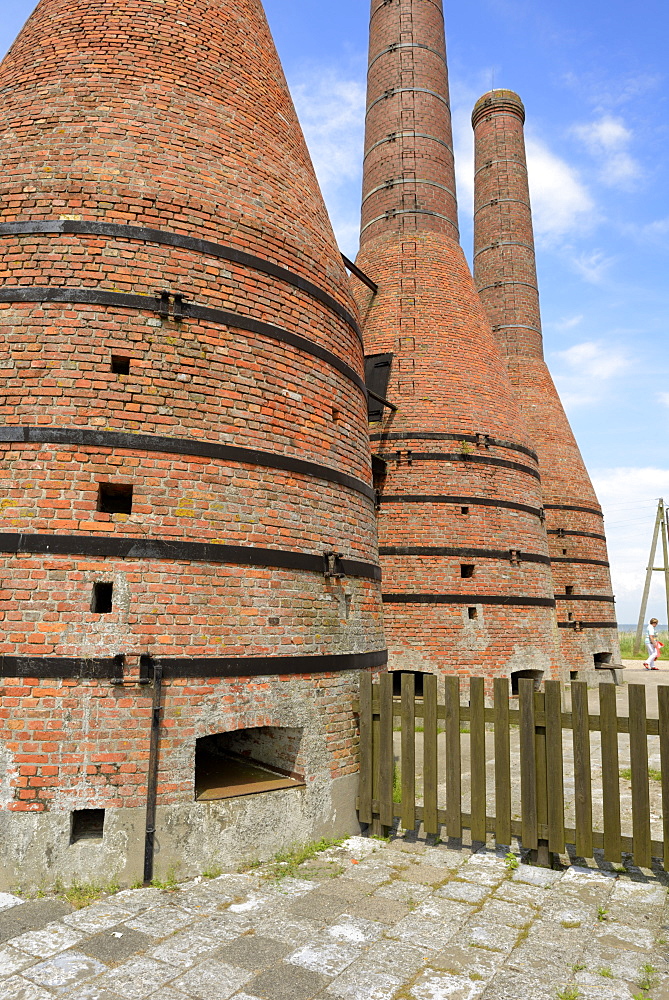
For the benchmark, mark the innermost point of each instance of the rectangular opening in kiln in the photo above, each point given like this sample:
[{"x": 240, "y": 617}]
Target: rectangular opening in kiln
[
  {"x": 102, "y": 600},
  {"x": 87, "y": 824},
  {"x": 247, "y": 761},
  {"x": 115, "y": 498}
]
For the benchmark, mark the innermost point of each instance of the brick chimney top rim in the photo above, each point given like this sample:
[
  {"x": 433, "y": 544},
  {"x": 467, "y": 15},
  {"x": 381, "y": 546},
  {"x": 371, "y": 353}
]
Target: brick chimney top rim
[{"x": 498, "y": 102}]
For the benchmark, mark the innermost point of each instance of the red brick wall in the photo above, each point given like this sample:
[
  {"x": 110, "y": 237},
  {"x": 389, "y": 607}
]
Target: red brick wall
[
  {"x": 173, "y": 116},
  {"x": 449, "y": 385},
  {"x": 506, "y": 276}
]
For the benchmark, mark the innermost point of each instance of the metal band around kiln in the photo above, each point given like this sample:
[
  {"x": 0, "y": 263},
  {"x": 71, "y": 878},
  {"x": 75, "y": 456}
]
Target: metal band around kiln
[
  {"x": 164, "y": 238},
  {"x": 123, "y": 300},
  {"x": 180, "y": 446}
]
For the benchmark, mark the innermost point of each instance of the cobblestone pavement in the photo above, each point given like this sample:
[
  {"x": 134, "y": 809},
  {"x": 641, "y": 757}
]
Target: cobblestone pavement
[{"x": 365, "y": 921}]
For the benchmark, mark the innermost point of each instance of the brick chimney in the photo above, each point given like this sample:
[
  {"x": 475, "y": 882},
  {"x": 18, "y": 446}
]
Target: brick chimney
[
  {"x": 467, "y": 585},
  {"x": 506, "y": 277},
  {"x": 188, "y": 487}
]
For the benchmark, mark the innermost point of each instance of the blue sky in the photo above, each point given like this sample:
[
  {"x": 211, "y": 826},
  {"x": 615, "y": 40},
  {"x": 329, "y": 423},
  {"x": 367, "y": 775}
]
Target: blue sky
[{"x": 593, "y": 77}]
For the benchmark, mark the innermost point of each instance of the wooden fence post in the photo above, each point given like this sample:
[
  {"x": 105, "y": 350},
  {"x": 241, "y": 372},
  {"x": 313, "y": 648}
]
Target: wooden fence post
[
  {"x": 502, "y": 762},
  {"x": 430, "y": 762},
  {"x": 555, "y": 767},
  {"x": 386, "y": 751},
  {"x": 639, "y": 766},
  {"x": 543, "y": 858},
  {"x": 408, "y": 756},
  {"x": 453, "y": 759},
  {"x": 528, "y": 764}
]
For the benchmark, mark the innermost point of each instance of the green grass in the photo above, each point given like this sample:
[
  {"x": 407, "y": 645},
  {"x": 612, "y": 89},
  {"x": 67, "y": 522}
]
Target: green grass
[
  {"x": 648, "y": 977},
  {"x": 602, "y": 914},
  {"x": 653, "y": 773},
  {"x": 606, "y": 973},
  {"x": 627, "y": 646},
  {"x": 397, "y": 784},
  {"x": 569, "y": 993},
  {"x": 79, "y": 894},
  {"x": 511, "y": 861},
  {"x": 286, "y": 863}
]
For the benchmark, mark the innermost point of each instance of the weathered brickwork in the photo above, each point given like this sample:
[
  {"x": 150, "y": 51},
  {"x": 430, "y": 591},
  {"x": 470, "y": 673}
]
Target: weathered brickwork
[
  {"x": 505, "y": 274},
  {"x": 466, "y": 576},
  {"x": 170, "y": 287}
]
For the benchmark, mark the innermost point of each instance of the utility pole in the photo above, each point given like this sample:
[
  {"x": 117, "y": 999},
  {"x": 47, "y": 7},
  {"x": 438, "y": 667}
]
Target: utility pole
[{"x": 660, "y": 528}]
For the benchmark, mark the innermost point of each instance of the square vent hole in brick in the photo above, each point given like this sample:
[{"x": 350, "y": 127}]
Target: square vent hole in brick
[
  {"x": 114, "y": 498},
  {"x": 102, "y": 600},
  {"x": 87, "y": 824},
  {"x": 247, "y": 761},
  {"x": 467, "y": 571},
  {"x": 120, "y": 365}
]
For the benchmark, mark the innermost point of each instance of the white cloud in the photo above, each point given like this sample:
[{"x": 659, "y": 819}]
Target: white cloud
[
  {"x": 629, "y": 498},
  {"x": 664, "y": 398},
  {"x": 588, "y": 370},
  {"x": 607, "y": 139},
  {"x": 331, "y": 109},
  {"x": 567, "y": 323},
  {"x": 593, "y": 265},
  {"x": 561, "y": 204}
]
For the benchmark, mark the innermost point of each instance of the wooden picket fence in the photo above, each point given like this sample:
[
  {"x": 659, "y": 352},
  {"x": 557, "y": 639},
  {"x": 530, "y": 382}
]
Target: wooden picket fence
[{"x": 538, "y": 754}]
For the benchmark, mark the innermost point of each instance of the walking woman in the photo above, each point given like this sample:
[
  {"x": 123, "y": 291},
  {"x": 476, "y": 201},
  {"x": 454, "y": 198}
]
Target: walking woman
[{"x": 652, "y": 644}]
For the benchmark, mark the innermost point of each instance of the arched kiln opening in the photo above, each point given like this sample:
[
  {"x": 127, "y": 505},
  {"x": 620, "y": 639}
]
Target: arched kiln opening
[
  {"x": 247, "y": 761},
  {"x": 535, "y": 675}
]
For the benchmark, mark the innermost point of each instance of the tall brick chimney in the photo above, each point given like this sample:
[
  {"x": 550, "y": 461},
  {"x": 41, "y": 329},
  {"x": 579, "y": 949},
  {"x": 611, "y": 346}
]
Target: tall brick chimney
[
  {"x": 466, "y": 576},
  {"x": 506, "y": 277},
  {"x": 187, "y": 475}
]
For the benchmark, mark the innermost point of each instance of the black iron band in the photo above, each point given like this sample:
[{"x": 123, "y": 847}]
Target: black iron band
[
  {"x": 160, "y": 236},
  {"x": 595, "y": 598},
  {"x": 393, "y": 91},
  {"x": 566, "y": 506},
  {"x": 519, "y": 602},
  {"x": 498, "y": 554},
  {"x": 236, "y": 666},
  {"x": 562, "y": 532},
  {"x": 586, "y": 562},
  {"x": 469, "y": 438},
  {"x": 115, "y": 440},
  {"x": 394, "y": 136},
  {"x": 463, "y": 501},
  {"x": 396, "y": 46},
  {"x": 149, "y": 303},
  {"x": 577, "y": 626},
  {"x": 428, "y": 456},
  {"x": 150, "y": 549}
]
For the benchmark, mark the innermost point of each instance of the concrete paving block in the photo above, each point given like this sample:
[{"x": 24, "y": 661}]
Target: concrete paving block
[
  {"x": 18, "y": 988},
  {"x": 212, "y": 980},
  {"x": 423, "y": 932},
  {"x": 549, "y": 949},
  {"x": 136, "y": 979},
  {"x": 425, "y": 875},
  {"x": 167, "y": 993},
  {"x": 252, "y": 952},
  {"x": 569, "y": 911},
  {"x": 444, "y": 857},
  {"x": 623, "y": 935},
  {"x": 386, "y": 911},
  {"x": 507, "y": 914},
  {"x": 541, "y": 877},
  {"x": 405, "y": 962},
  {"x": 593, "y": 984},
  {"x": 97, "y": 917},
  {"x": 292, "y": 932},
  {"x": 12, "y": 960},
  {"x": 32, "y": 916},
  {"x": 462, "y": 960},
  {"x": 623, "y": 959},
  {"x": 404, "y": 892},
  {"x": 579, "y": 874},
  {"x": 7, "y": 901},
  {"x": 136, "y": 900},
  {"x": 114, "y": 947},
  {"x": 287, "y": 982},
  {"x": 325, "y": 955},
  {"x": 291, "y": 888},
  {"x": 467, "y": 892},
  {"x": 348, "y": 889},
  {"x": 317, "y": 906},
  {"x": 93, "y": 992},
  {"x": 487, "y": 934},
  {"x": 509, "y": 985},
  {"x": 67, "y": 969},
  {"x": 483, "y": 871},
  {"x": 639, "y": 894},
  {"x": 372, "y": 875},
  {"x": 447, "y": 910},
  {"x": 184, "y": 948},
  {"x": 362, "y": 847},
  {"x": 443, "y": 986},
  {"x": 224, "y": 926},
  {"x": 520, "y": 892},
  {"x": 355, "y": 930},
  {"x": 159, "y": 921},
  {"x": 363, "y": 984},
  {"x": 48, "y": 941}
]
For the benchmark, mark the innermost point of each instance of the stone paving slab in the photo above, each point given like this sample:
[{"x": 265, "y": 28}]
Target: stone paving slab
[{"x": 368, "y": 920}]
